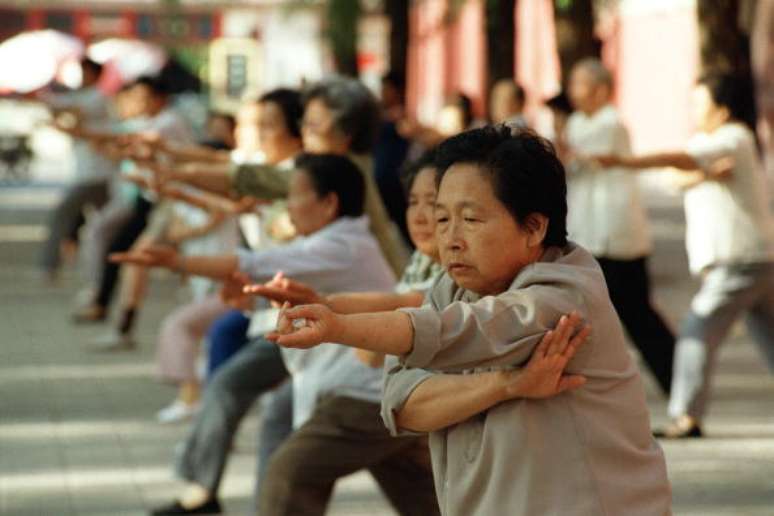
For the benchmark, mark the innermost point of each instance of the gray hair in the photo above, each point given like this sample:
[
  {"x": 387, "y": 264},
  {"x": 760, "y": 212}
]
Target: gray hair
[
  {"x": 597, "y": 70},
  {"x": 355, "y": 110}
]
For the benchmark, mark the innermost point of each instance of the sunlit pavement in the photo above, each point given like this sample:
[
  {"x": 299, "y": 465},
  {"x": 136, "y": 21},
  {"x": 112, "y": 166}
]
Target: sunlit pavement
[{"x": 78, "y": 435}]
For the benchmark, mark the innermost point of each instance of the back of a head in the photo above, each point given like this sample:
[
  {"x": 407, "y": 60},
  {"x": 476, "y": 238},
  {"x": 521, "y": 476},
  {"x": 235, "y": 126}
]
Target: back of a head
[
  {"x": 527, "y": 177},
  {"x": 596, "y": 70},
  {"x": 157, "y": 87},
  {"x": 91, "y": 67},
  {"x": 356, "y": 111},
  {"x": 733, "y": 92},
  {"x": 289, "y": 102},
  {"x": 560, "y": 103},
  {"x": 331, "y": 173}
]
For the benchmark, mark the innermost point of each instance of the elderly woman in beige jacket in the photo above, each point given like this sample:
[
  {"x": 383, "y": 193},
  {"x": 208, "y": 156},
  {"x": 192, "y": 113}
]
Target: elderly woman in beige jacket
[{"x": 501, "y": 442}]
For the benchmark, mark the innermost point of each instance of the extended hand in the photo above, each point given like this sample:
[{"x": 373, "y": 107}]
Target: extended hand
[
  {"x": 543, "y": 376},
  {"x": 304, "y": 326},
  {"x": 285, "y": 290},
  {"x": 232, "y": 292},
  {"x": 150, "y": 256}
]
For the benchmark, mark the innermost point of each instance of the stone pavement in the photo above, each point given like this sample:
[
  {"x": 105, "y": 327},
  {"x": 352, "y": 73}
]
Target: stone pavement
[{"x": 78, "y": 435}]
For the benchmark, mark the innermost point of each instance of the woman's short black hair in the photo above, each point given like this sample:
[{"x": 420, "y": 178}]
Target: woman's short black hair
[
  {"x": 526, "y": 175},
  {"x": 735, "y": 92},
  {"x": 331, "y": 173},
  {"x": 289, "y": 102},
  {"x": 356, "y": 112},
  {"x": 464, "y": 104},
  {"x": 411, "y": 170},
  {"x": 560, "y": 103}
]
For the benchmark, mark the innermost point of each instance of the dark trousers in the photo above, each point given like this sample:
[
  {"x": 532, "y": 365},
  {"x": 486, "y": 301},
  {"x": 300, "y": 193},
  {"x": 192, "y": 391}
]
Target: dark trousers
[
  {"x": 122, "y": 242},
  {"x": 227, "y": 335},
  {"x": 343, "y": 436},
  {"x": 629, "y": 286}
]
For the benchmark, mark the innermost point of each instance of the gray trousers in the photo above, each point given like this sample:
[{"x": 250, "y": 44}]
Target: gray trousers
[
  {"x": 234, "y": 387},
  {"x": 100, "y": 232},
  {"x": 68, "y": 215},
  {"x": 726, "y": 293}
]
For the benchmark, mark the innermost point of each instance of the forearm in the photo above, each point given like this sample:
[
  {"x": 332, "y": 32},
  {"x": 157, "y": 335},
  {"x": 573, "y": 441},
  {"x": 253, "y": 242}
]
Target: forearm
[
  {"x": 384, "y": 332},
  {"x": 196, "y": 153},
  {"x": 364, "y": 302},
  {"x": 678, "y": 160},
  {"x": 213, "y": 178},
  {"x": 217, "y": 267},
  {"x": 445, "y": 399}
]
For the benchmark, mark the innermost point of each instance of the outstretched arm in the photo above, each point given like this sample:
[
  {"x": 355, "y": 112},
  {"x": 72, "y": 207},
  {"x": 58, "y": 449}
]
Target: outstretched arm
[
  {"x": 309, "y": 325},
  {"x": 217, "y": 267}
]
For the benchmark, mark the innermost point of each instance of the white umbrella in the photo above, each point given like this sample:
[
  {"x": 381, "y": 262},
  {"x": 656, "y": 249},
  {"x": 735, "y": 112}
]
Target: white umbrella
[
  {"x": 130, "y": 58},
  {"x": 31, "y": 60}
]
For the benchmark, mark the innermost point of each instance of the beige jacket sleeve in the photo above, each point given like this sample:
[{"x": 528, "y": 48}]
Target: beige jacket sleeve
[
  {"x": 495, "y": 331},
  {"x": 399, "y": 383}
]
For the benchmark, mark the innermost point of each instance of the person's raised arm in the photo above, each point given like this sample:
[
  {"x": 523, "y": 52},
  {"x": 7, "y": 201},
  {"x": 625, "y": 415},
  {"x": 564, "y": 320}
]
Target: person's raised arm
[
  {"x": 494, "y": 330},
  {"x": 284, "y": 289},
  {"x": 442, "y": 400},
  {"x": 306, "y": 326},
  {"x": 217, "y": 267}
]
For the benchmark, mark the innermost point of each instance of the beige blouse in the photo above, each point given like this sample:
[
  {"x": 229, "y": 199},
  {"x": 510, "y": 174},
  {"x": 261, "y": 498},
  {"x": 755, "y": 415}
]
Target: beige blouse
[{"x": 587, "y": 452}]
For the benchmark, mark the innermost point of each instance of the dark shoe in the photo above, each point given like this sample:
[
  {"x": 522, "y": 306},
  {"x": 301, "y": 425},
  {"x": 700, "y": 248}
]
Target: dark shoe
[
  {"x": 209, "y": 507},
  {"x": 676, "y": 430}
]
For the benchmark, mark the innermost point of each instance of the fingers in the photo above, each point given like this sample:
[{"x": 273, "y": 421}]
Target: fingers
[
  {"x": 302, "y": 311},
  {"x": 542, "y": 347},
  {"x": 562, "y": 333},
  {"x": 303, "y": 338},
  {"x": 570, "y": 381},
  {"x": 576, "y": 342}
]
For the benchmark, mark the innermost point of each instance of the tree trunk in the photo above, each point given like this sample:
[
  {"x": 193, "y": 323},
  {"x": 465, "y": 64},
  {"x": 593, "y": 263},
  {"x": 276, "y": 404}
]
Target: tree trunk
[
  {"x": 398, "y": 13},
  {"x": 342, "y": 20},
  {"x": 500, "y": 40},
  {"x": 575, "y": 37},
  {"x": 724, "y": 44}
]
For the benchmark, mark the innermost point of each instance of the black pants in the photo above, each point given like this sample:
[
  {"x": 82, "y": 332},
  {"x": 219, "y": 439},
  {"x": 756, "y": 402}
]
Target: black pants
[
  {"x": 629, "y": 286},
  {"x": 122, "y": 242}
]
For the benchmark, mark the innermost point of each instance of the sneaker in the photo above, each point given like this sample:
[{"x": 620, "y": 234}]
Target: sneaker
[
  {"x": 177, "y": 412},
  {"x": 113, "y": 341},
  {"x": 682, "y": 428},
  {"x": 211, "y": 506}
]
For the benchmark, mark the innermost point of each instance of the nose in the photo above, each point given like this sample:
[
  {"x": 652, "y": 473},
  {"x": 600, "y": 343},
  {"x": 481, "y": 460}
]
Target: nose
[{"x": 451, "y": 237}]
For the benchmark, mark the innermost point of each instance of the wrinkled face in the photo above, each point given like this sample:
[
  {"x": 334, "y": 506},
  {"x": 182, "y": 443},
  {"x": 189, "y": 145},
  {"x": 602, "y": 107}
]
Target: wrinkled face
[
  {"x": 503, "y": 103},
  {"x": 420, "y": 217},
  {"x": 319, "y": 132},
  {"x": 585, "y": 93},
  {"x": 482, "y": 246},
  {"x": 275, "y": 141},
  {"x": 308, "y": 211}
]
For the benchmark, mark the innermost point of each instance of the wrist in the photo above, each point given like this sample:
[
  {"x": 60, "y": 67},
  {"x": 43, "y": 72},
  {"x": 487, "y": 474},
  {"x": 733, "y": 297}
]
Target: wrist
[{"x": 506, "y": 385}]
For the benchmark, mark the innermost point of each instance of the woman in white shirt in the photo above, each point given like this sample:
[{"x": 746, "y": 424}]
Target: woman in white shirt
[{"x": 729, "y": 239}]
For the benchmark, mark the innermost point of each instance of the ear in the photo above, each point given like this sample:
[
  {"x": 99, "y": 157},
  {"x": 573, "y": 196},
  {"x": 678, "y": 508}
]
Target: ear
[
  {"x": 536, "y": 226},
  {"x": 331, "y": 206}
]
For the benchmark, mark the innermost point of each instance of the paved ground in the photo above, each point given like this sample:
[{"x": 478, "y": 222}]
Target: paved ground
[{"x": 77, "y": 434}]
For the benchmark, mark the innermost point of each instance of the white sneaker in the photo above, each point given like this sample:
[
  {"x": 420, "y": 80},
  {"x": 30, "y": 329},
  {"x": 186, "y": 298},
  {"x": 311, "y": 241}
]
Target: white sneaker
[
  {"x": 113, "y": 341},
  {"x": 176, "y": 412}
]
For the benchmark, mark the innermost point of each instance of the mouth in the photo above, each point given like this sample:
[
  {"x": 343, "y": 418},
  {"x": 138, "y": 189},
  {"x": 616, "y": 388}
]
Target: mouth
[{"x": 457, "y": 267}]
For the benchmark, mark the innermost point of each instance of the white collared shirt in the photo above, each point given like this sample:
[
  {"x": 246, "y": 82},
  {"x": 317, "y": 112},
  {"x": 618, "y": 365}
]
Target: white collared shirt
[
  {"x": 605, "y": 212},
  {"x": 343, "y": 256},
  {"x": 728, "y": 222}
]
